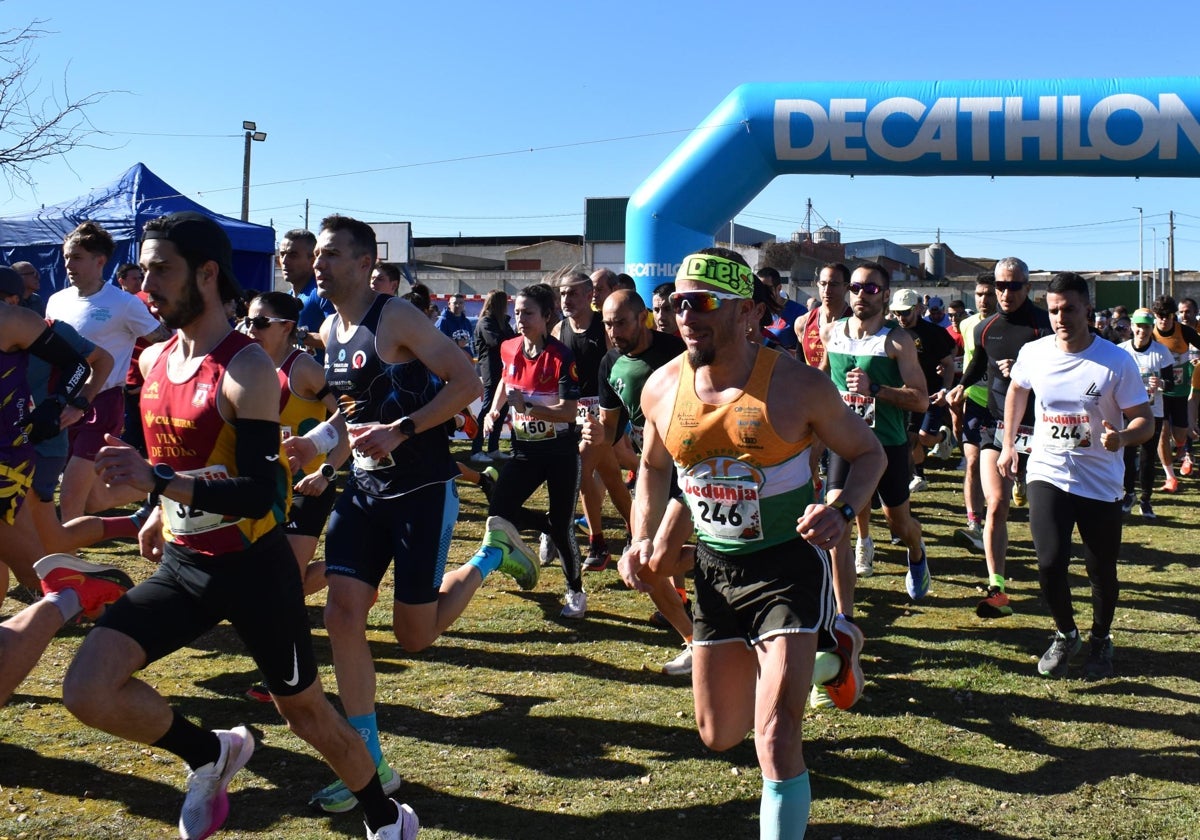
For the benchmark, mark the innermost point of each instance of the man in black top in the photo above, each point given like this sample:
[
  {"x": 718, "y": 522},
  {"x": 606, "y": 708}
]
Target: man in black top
[{"x": 997, "y": 342}]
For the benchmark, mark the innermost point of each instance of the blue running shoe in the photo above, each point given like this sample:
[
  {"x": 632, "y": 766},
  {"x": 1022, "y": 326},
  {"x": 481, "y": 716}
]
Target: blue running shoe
[{"x": 917, "y": 579}]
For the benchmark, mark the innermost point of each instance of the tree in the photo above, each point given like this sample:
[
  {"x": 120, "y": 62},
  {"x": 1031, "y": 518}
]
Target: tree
[{"x": 34, "y": 127}]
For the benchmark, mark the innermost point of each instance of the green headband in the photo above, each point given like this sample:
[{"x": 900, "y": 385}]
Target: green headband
[{"x": 717, "y": 271}]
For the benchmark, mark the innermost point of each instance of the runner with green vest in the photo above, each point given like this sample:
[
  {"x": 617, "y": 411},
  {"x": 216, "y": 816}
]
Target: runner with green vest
[
  {"x": 874, "y": 366},
  {"x": 975, "y": 416}
]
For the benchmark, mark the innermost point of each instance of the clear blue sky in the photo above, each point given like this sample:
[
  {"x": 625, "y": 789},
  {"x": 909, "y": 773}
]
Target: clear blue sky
[{"x": 486, "y": 118}]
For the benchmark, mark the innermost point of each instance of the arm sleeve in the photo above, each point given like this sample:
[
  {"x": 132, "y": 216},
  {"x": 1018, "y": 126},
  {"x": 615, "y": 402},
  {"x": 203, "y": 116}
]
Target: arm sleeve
[
  {"x": 253, "y": 491},
  {"x": 73, "y": 368}
]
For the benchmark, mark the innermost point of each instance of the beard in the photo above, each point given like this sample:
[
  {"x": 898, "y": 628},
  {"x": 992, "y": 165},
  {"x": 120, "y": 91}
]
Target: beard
[
  {"x": 188, "y": 309},
  {"x": 699, "y": 358}
]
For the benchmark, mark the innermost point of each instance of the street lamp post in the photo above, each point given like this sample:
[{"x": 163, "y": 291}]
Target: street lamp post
[
  {"x": 1154, "y": 276},
  {"x": 252, "y": 133},
  {"x": 1141, "y": 261}
]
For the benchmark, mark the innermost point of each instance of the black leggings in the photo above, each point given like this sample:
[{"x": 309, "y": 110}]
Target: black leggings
[
  {"x": 519, "y": 478},
  {"x": 1053, "y": 515},
  {"x": 493, "y": 439},
  {"x": 1144, "y": 469}
]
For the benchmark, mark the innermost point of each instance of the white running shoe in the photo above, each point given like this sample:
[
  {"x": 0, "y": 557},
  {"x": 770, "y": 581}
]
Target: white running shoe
[
  {"x": 944, "y": 447},
  {"x": 917, "y": 485},
  {"x": 405, "y": 828},
  {"x": 681, "y": 665},
  {"x": 547, "y": 553},
  {"x": 864, "y": 557},
  {"x": 207, "y": 804},
  {"x": 576, "y": 605}
]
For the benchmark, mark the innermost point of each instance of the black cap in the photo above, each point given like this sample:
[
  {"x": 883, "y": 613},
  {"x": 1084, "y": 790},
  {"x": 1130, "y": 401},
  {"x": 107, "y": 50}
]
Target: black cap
[
  {"x": 10, "y": 282},
  {"x": 199, "y": 238}
]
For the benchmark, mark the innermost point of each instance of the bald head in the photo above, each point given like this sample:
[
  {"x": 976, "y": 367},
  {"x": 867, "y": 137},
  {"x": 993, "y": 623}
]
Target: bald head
[
  {"x": 624, "y": 300},
  {"x": 29, "y": 276},
  {"x": 624, "y": 317}
]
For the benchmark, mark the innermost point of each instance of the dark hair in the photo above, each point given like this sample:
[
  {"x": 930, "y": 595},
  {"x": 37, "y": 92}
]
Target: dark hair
[
  {"x": 283, "y": 305},
  {"x": 391, "y": 270},
  {"x": 1192, "y": 301},
  {"x": 957, "y": 303},
  {"x": 1068, "y": 281},
  {"x": 92, "y": 238},
  {"x": 988, "y": 280},
  {"x": 125, "y": 268},
  {"x": 302, "y": 236},
  {"x": 837, "y": 267},
  {"x": 1163, "y": 306},
  {"x": 768, "y": 273},
  {"x": 663, "y": 290},
  {"x": 876, "y": 268},
  {"x": 495, "y": 304},
  {"x": 763, "y": 296},
  {"x": 419, "y": 297},
  {"x": 542, "y": 295},
  {"x": 624, "y": 281},
  {"x": 727, "y": 253},
  {"x": 362, "y": 235}
]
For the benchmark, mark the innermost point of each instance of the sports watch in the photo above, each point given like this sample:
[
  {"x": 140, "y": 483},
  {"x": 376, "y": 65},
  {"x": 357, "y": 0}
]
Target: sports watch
[
  {"x": 163, "y": 475},
  {"x": 874, "y": 389},
  {"x": 407, "y": 427},
  {"x": 328, "y": 472},
  {"x": 846, "y": 511}
]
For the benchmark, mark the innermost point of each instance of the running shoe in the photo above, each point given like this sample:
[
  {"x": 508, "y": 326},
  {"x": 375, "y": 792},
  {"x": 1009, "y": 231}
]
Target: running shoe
[
  {"x": 480, "y": 458},
  {"x": 487, "y": 481},
  {"x": 660, "y": 620},
  {"x": 918, "y": 484},
  {"x": 497, "y": 455},
  {"x": 405, "y": 828},
  {"x": 465, "y": 423},
  {"x": 916, "y": 580},
  {"x": 945, "y": 446},
  {"x": 259, "y": 693},
  {"x": 597, "y": 556},
  {"x": 516, "y": 559},
  {"x": 845, "y": 689},
  {"x": 337, "y": 798},
  {"x": 819, "y": 698},
  {"x": 1057, "y": 658},
  {"x": 864, "y": 556},
  {"x": 1147, "y": 510},
  {"x": 995, "y": 605},
  {"x": 1099, "y": 663},
  {"x": 681, "y": 665},
  {"x": 971, "y": 536},
  {"x": 1019, "y": 492},
  {"x": 1186, "y": 467},
  {"x": 206, "y": 805},
  {"x": 1171, "y": 485},
  {"x": 575, "y": 605},
  {"x": 581, "y": 525},
  {"x": 1127, "y": 503},
  {"x": 547, "y": 553},
  {"x": 96, "y": 586}
]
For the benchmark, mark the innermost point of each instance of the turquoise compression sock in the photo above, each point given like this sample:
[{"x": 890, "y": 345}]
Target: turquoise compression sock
[
  {"x": 368, "y": 729},
  {"x": 783, "y": 814}
]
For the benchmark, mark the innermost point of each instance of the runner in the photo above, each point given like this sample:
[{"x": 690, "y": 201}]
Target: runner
[
  {"x": 974, "y": 409},
  {"x": 1180, "y": 340},
  {"x": 210, "y": 407},
  {"x": 735, "y": 420},
  {"x": 1084, "y": 389},
  {"x": 382, "y": 356},
  {"x": 1155, "y": 363}
]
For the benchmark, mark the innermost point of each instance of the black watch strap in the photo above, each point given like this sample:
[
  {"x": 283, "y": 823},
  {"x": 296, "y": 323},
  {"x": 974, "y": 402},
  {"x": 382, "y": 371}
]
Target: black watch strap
[{"x": 847, "y": 512}]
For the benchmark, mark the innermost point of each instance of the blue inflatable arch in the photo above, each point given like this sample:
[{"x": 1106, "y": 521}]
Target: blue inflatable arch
[{"x": 1103, "y": 127}]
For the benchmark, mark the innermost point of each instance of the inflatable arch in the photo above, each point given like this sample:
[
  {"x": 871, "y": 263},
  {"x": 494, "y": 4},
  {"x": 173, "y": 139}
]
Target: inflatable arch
[{"x": 1104, "y": 127}]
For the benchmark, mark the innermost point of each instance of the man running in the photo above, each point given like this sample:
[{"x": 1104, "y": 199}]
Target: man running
[
  {"x": 1085, "y": 390},
  {"x": 997, "y": 342},
  {"x": 1180, "y": 340},
  {"x": 974, "y": 408},
  {"x": 210, "y": 407},
  {"x": 873, "y": 364},
  {"x": 736, "y": 420},
  {"x": 383, "y": 362},
  {"x": 1154, "y": 363}
]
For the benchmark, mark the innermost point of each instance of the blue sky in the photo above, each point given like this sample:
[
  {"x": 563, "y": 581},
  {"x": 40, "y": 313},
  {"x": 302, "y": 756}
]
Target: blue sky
[{"x": 486, "y": 118}]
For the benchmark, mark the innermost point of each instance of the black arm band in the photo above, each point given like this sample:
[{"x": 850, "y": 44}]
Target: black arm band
[
  {"x": 261, "y": 472},
  {"x": 322, "y": 394},
  {"x": 73, "y": 369}
]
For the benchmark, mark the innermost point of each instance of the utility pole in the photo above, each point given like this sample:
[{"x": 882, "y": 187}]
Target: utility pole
[
  {"x": 1171, "y": 252},
  {"x": 252, "y": 133},
  {"x": 1141, "y": 261}
]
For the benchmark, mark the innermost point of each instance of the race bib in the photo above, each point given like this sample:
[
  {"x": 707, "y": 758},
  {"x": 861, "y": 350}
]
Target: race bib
[
  {"x": 365, "y": 462},
  {"x": 585, "y": 406},
  {"x": 183, "y": 520},
  {"x": 723, "y": 508},
  {"x": 1064, "y": 432},
  {"x": 1022, "y": 440},
  {"x": 862, "y": 405},
  {"x": 531, "y": 428}
]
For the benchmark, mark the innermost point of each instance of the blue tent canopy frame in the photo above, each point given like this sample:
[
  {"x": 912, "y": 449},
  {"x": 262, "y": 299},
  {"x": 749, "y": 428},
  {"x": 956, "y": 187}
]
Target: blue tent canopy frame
[{"x": 123, "y": 208}]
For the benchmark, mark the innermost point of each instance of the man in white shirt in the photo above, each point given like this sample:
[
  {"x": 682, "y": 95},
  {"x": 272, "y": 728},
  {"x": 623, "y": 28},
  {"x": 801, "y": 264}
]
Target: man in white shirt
[
  {"x": 112, "y": 319},
  {"x": 1085, "y": 390}
]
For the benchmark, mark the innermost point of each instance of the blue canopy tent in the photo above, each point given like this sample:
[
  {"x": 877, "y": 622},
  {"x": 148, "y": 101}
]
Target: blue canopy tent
[{"x": 122, "y": 208}]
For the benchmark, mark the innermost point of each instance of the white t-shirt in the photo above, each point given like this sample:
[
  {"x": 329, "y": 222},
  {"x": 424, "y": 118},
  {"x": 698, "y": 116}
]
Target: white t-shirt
[
  {"x": 1073, "y": 394},
  {"x": 112, "y": 319},
  {"x": 1151, "y": 362}
]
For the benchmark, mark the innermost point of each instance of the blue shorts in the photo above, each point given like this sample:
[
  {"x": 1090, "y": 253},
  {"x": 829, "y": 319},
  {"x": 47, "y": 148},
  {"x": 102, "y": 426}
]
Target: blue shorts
[
  {"x": 975, "y": 417},
  {"x": 367, "y": 533}
]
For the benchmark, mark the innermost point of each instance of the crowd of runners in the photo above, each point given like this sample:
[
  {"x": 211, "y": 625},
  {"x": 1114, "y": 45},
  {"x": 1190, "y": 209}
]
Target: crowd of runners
[{"x": 742, "y": 439}]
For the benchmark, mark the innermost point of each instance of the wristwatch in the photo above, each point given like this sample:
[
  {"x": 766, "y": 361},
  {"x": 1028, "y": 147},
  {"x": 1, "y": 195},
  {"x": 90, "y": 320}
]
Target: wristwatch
[
  {"x": 79, "y": 401},
  {"x": 163, "y": 475},
  {"x": 846, "y": 511},
  {"x": 874, "y": 389},
  {"x": 328, "y": 472},
  {"x": 407, "y": 427}
]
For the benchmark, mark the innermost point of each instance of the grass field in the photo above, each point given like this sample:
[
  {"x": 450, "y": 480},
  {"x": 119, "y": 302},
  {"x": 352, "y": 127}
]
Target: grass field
[{"x": 517, "y": 724}]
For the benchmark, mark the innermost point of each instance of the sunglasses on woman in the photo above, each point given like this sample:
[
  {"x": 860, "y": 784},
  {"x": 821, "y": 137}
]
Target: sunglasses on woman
[
  {"x": 865, "y": 288},
  {"x": 700, "y": 301},
  {"x": 262, "y": 322}
]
